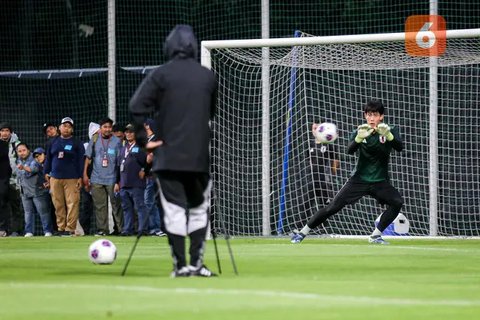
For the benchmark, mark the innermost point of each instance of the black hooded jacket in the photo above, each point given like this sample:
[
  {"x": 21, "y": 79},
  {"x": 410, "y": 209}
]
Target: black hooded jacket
[
  {"x": 182, "y": 95},
  {"x": 5, "y": 168}
]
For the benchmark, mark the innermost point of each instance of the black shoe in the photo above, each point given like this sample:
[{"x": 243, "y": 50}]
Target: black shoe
[
  {"x": 203, "y": 271},
  {"x": 114, "y": 233},
  {"x": 125, "y": 234},
  {"x": 100, "y": 234}
]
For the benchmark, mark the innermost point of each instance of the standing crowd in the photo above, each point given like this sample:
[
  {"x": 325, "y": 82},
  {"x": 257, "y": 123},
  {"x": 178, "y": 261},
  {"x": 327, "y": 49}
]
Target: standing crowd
[
  {"x": 181, "y": 94},
  {"x": 70, "y": 184}
]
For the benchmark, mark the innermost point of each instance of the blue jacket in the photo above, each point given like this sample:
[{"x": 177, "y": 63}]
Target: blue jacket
[
  {"x": 131, "y": 160},
  {"x": 31, "y": 183}
]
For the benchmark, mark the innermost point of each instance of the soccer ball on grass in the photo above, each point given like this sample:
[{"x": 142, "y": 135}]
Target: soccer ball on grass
[
  {"x": 326, "y": 133},
  {"x": 102, "y": 251}
]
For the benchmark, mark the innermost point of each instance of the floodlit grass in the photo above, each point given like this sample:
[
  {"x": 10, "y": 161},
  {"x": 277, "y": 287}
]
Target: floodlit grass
[{"x": 52, "y": 278}]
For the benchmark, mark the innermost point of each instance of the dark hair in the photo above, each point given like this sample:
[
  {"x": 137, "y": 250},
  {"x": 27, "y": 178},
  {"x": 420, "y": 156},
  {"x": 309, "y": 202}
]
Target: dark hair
[
  {"x": 46, "y": 125},
  {"x": 374, "y": 106},
  {"x": 6, "y": 125},
  {"x": 22, "y": 144},
  {"x": 118, "y": 127},
  {"x": 105, "y": 120}
]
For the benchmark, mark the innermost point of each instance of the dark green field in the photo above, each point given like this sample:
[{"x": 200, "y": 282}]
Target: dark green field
[{"x": 52, "y": 278}]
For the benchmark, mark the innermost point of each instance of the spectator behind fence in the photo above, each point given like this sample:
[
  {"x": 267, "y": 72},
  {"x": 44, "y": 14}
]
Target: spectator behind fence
[
  {"x": 131, "y": 167},
  {"x": 151, "y": 189},
  {"x": 64, "y": 168},
  {"x": 14, "y": 205},
  {"x": 35, "y": 197},
  {"x": 50, "y": 130},
  {"x": 86, "y": 202},
  {"x": 5, "y": 174},
  {"x": 102, "y": 152},
  {"x": 119, "y": 132}
]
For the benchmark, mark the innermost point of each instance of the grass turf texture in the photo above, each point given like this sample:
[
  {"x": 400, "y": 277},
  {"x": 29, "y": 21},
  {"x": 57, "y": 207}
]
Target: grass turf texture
[{"x": 52, "y": 278}]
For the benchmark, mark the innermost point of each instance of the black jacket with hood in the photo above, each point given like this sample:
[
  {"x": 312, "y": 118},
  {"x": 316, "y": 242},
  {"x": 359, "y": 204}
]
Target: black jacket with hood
[
  {"x": 181, "y": 94},
  {"x": 5, "y": 168}
]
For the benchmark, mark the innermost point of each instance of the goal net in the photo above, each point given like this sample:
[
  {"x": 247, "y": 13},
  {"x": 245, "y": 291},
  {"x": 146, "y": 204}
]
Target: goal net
[{"x": 331, "y": 82}]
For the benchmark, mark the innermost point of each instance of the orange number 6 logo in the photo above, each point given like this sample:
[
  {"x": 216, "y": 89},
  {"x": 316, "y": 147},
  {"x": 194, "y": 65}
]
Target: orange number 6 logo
[{"x": 425, "y": 35}]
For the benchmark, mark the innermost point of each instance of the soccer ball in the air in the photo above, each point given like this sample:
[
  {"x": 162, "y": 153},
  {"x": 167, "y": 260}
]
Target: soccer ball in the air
[
  {"x": 102, "y": 251},
  {"x": 326, "y": 133}
]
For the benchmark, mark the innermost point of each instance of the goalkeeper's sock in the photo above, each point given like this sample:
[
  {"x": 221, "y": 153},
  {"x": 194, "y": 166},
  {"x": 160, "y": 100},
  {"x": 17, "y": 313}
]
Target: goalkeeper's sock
[
  {"x": 305, "y": 230},
  {"x": 376, "y": 232}
]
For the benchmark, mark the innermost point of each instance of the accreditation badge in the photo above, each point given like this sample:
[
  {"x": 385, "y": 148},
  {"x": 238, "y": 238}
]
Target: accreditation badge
[
  {"x": 60, "y": 155},
  {"x": 105, "y": 161}
]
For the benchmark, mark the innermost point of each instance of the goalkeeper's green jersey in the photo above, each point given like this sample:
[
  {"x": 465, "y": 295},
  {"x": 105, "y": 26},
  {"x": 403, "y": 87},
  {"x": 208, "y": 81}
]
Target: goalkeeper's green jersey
[{"x": 374, "y": 155}]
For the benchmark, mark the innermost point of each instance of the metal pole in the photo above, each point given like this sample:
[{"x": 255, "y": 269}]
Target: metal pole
[
  {"x": 266, "y": 231},
  {"x": 111, "y": 61},
  {"x": 433, "y": 136}
]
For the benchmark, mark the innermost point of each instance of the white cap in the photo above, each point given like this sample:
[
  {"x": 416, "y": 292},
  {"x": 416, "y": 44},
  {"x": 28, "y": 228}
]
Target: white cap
[
  {"x": 67, "y": 119},
  {"x": 92, "y": 129}
]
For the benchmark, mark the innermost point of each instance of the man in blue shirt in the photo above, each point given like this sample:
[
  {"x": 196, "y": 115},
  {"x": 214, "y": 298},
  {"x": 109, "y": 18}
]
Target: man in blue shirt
[
  {"x": 103, "y": 149},
  {"x": 64, "y": 169}
]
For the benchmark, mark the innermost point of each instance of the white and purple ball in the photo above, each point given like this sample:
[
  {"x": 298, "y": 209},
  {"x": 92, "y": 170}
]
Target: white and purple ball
[
  {"x": 326, "y": 133},
  {"x": 102, "y": 251}
]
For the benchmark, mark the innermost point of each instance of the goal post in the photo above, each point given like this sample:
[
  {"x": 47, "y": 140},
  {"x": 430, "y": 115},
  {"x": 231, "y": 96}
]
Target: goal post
[{"x": 336, "y": 76}]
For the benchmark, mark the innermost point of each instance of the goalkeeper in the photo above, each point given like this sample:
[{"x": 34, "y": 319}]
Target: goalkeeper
[{"x": 374, "y": 142}]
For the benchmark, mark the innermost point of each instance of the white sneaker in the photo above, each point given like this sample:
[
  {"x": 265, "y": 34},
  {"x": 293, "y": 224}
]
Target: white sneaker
[
  {"x": 377, "y": 240},
  {"x": 28, "y": 235},
  {"x": 48, "y": 234},
  {"x": 183, "y": 272},
  {"x": 203, "y": 271}
]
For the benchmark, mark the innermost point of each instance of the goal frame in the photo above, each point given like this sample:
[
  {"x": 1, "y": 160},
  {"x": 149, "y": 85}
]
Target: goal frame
[{"x": 265, "y": 44}]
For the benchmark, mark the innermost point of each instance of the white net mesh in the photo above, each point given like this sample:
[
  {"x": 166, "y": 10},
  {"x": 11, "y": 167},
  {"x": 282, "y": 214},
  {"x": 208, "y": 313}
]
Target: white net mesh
[{"x": 332, "y": 83}]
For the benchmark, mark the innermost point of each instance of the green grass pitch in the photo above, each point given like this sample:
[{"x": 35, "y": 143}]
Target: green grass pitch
[{"x": 52, "y": 278}]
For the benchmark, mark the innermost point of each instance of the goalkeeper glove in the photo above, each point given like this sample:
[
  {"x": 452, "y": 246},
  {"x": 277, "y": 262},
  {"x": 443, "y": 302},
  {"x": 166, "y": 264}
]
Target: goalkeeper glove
[
  {"x": 384, "y": 130},
  {"x": 364, "y": 131}
]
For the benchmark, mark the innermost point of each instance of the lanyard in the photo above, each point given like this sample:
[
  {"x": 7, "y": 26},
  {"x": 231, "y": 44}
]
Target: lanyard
[
  {"x": 105, "y": 148},
  {"x": 128, "y": 147}
]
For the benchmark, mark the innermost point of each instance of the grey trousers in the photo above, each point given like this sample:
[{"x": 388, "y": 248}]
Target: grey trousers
[{"x": 100, "y": 194}]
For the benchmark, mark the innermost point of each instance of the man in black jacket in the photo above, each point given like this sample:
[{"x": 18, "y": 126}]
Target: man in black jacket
[
  {"x": 5, "y": 173},
  {"x": 182, "y": 95}
]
